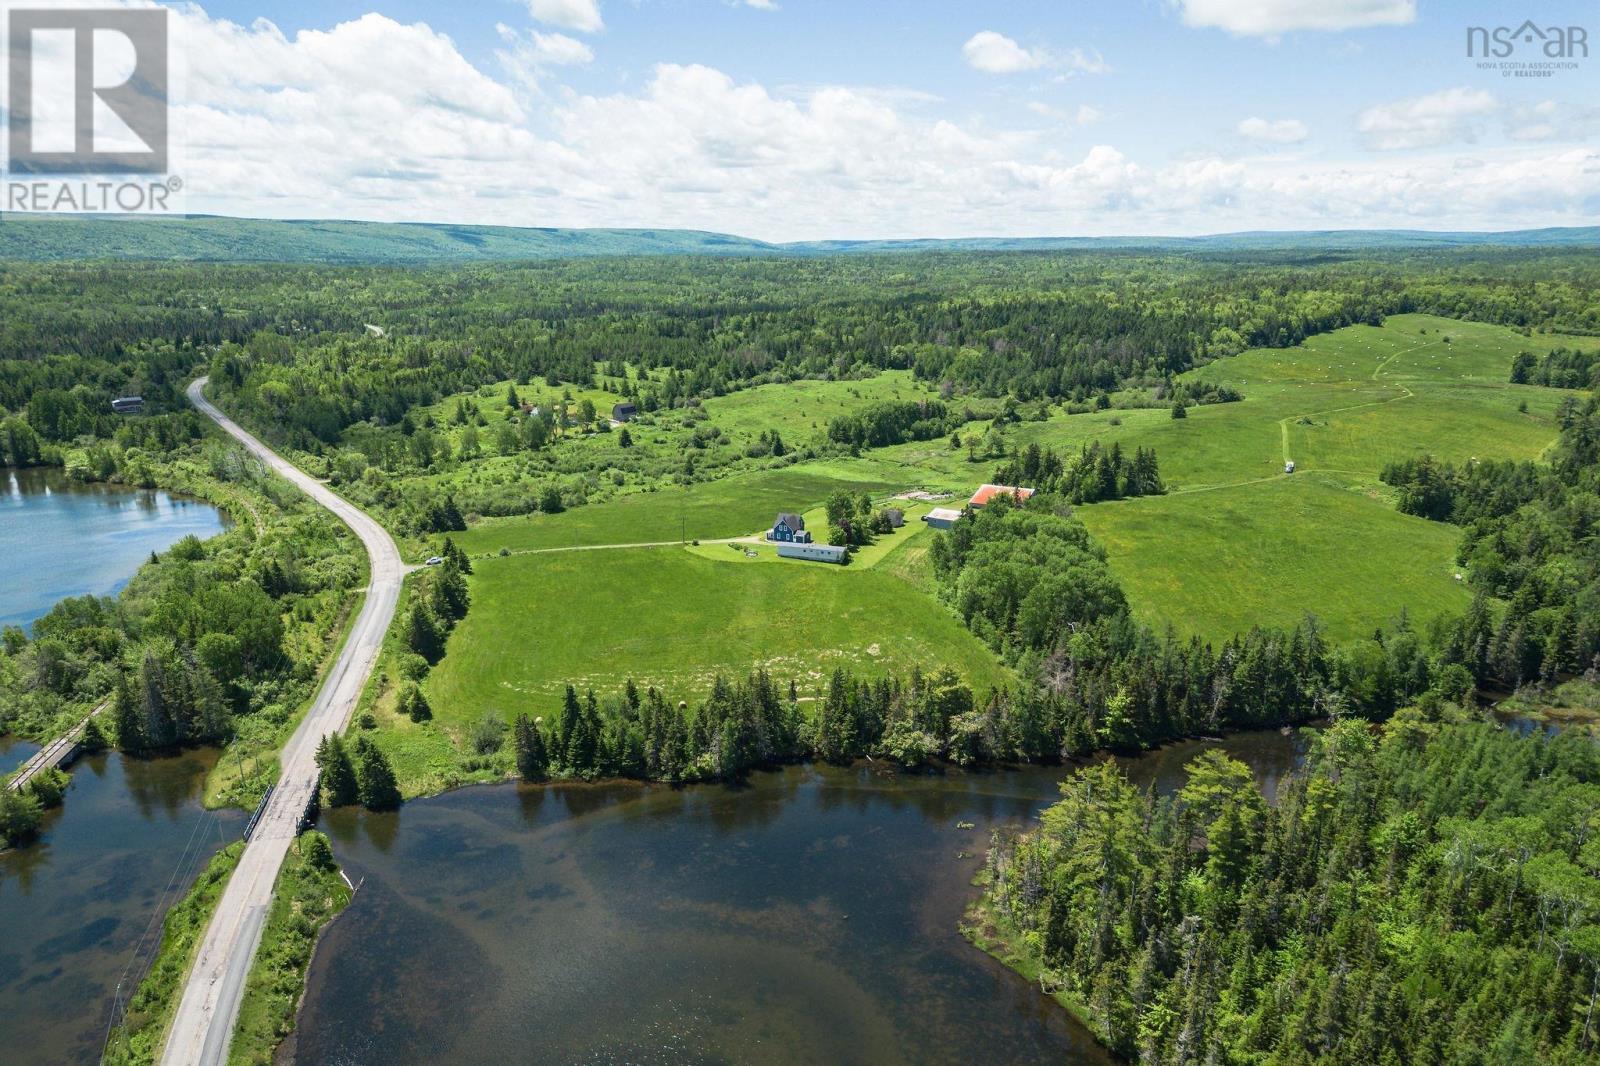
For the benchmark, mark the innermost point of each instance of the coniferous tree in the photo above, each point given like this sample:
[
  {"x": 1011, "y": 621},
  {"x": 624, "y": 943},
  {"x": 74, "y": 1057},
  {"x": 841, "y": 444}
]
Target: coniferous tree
[
  {"x": 375, "y": 780},
  {"x": 339, "y": 785},
  {"x": 528, "y": 743},
  {"x": 127, "y": 718}
]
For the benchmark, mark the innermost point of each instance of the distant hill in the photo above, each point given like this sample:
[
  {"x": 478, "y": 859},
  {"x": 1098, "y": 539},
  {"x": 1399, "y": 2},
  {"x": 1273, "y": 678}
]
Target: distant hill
[
  {"x": 246, "y": 240},
  {"x": 250, "y": 240}
]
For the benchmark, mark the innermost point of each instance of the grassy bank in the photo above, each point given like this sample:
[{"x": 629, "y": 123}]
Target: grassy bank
[
  {"x": 310, "y": 893},
  {"x": 989, "y": 932},
  {"x": 138, "y": 1040}
]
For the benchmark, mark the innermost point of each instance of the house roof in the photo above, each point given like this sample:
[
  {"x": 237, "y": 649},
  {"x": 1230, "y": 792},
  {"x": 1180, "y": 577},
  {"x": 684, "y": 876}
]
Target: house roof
[
  {"x": 790, "y": 519},
  {"x": 986, "y": 493},
  {"x": 627, "y": 406},
  {"x": 943, "y": 514}
]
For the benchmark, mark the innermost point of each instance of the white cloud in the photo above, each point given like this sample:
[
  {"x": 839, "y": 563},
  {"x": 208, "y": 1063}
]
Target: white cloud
[
  {"x": 1084, "y": 62},
  {"x": 580, "y": 15},
  {"x": 1273, "y": 131},
  {"x": 1085, "y": 115},
  {"x": 1549, "y": 120},
  {"x": 759, "y": 5},
  {"x": 527, "y": 57},
  {"x": 1426, "y": 121},
  {"x": 1269, "y": 18},
  {"x": 995, "y": 53},
  {"x": 381, "y": 120}
]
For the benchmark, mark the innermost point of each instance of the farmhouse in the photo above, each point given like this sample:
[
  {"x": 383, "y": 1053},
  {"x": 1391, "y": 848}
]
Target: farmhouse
[
  {"x": 128, "y": 405},
  {"x": 941, "y": 517},
  {"x": 986, "y": 493},
  {"x": 624, "y": 412},
  {"x": 820, "y": 553},
  {"x": 789, "y": 528},
  {"x": 896, "y": 516}
]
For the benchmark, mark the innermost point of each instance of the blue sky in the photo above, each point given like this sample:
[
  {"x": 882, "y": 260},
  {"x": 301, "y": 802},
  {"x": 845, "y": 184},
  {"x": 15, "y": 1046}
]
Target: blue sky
[{"x": 792, "y": 119}]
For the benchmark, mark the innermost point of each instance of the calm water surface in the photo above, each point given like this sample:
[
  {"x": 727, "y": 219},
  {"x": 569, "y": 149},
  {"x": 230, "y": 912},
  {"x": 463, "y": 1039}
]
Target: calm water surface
[
  {"x": 14, "y": 751},
  {"x": 809, "y": 917},
  {"x": 74, "y": 905},
  {"x": 60, "y": 538}
]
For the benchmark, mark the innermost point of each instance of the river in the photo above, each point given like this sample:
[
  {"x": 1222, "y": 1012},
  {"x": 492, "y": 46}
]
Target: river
[
  {"x": 62, "y": 538},
  {"x": 809, "y": 916},
  {"x": 75, "y": 906}
]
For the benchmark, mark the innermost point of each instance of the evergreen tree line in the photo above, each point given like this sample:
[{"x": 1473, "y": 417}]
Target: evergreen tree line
[
  {"x": 1559, "y": 368},
  {"x": 1427, "y": 894},
  {"x": 1528, "y": 540},
  {"x": 438, "y": 602},
  {"x": 356, "y": 773},
  {"x": 1097, "y": 473}
]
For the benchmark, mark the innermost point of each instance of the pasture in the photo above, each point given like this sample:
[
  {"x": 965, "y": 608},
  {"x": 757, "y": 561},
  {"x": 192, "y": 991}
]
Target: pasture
[
  {"x": 1216, "y": 563},
  {"x": 675, "y": 619}
]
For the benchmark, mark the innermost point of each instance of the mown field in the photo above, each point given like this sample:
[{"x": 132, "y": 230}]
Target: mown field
[
  {"x": 706, "y": 510},
  {"x": 675, "y": 619},
  {"x": 1217, "y": 563},
  {"x": 1237, "y": 542}
]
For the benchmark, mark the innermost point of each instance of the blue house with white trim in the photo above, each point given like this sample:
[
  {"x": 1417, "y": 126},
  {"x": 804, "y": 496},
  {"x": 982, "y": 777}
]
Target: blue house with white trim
[{"x": 789, "y": 528}]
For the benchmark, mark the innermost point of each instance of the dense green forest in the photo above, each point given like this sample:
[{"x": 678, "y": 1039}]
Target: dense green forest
[{"x": 1425, "y": 895}]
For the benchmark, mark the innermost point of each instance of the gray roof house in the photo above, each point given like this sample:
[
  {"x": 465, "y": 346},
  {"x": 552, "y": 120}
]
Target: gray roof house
[{"x": 789, "y": 528}]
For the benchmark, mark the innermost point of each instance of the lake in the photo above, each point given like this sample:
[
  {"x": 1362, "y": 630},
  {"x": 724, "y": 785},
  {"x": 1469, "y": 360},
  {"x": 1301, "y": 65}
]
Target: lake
[
  {"x": 809, "y": 916},
  {"x": 76, "y": 906},
  {"x": 62, "y": 538}
]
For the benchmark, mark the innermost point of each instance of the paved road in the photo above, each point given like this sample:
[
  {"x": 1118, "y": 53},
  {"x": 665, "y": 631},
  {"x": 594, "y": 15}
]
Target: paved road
[{"x": 210, "y": 1006}]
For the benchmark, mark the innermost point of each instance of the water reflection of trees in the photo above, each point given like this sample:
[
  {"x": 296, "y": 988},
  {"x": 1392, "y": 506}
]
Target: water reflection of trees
[
  {"x": 22, "y": 866},
  {"x": 165, "y": 783}
]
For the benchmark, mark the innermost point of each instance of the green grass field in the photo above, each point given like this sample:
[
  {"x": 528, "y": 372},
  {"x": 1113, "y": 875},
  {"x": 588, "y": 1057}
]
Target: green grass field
[
  {"x": 1217, "y": 563},
  {"x": 800, "y": 410},
  {"x": 1233, "y": 544},
  {"x": 1238, "y": 542},
  {"x": 674, "y": 619},
  {"x": 730, "y": 507}
]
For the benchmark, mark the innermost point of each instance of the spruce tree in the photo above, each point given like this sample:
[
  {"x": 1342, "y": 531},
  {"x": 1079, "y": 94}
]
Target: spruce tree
[
  {"x": 528, "y": 742},
  {"x": 375, "y": 781},
  {"x": 126, "y": 721},
  {"x": 339, "y": 785}
]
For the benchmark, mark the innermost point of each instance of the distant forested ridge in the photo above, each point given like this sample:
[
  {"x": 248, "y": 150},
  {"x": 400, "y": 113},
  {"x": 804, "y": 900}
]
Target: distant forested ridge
[{"x": 215, "y": 239}]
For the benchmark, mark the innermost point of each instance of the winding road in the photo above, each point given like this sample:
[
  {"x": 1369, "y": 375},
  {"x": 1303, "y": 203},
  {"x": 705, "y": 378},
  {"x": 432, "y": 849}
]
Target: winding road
[{"x": 204, "y": 1024}]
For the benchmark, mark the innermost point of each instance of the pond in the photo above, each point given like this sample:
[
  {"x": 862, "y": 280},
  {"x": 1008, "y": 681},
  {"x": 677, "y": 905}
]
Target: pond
[
  {"x": 14, "y": 751},
  {"x": 809, "y": 916},
  {"x": 82, "y": 907},
  {"x": 62, "y": 538}
]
